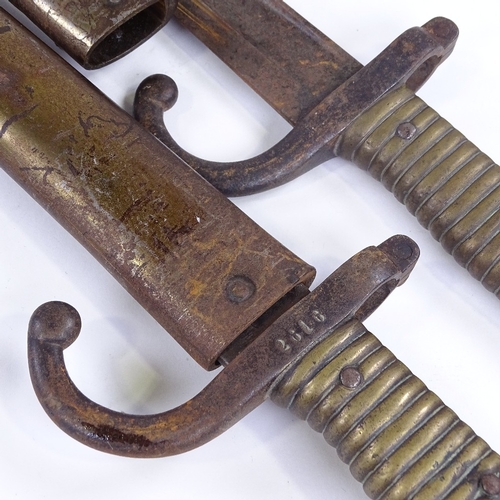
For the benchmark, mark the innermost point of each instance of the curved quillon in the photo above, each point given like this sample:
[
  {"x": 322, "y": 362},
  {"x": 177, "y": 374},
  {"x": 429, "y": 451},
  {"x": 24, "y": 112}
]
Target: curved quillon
[{"x": 376, "y": 121}]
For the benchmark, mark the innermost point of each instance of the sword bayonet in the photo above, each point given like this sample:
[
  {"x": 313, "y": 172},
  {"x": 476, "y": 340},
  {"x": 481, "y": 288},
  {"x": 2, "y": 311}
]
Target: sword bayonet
[
  {"x": 299, "y": 321},
  {"x": 367, "y": 115}
]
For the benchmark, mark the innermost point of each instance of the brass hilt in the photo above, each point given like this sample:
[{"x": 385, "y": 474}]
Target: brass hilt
[
  {"x": 442, "y": 178},
  {"x": 398, "y": 438}
]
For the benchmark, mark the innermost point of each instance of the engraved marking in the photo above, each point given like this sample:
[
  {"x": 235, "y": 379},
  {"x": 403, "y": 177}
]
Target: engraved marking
[
  {"x": 46, "y": 171},
  {"x": 72, "y": 168},
  {"x": 293, "y": 337},
  {"x": 318, "y": 317},
  {"x": 16, "y": 118},
  {"x": 136, "y": 204},
  {"x": 305, "y": 328},
  {"x": 282, "y": 345},
  {"x": 122, "y": 128}
]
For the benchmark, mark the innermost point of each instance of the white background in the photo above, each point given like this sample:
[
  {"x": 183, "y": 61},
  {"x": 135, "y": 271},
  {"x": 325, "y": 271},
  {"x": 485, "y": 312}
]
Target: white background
[{"x": 441, "y": 323}]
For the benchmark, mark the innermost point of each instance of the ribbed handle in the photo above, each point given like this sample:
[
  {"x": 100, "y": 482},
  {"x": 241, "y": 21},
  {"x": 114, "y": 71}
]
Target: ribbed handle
[
  {"x": 398, "y": 438},
  {"x": 443, "y": 179}
]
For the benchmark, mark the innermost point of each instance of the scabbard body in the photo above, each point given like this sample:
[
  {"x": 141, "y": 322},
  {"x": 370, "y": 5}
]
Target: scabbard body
[{"x": 202, "y": 268}]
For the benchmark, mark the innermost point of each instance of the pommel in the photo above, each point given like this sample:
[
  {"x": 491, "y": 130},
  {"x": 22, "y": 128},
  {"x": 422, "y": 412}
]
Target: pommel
[{"x": 55, "y": 323}]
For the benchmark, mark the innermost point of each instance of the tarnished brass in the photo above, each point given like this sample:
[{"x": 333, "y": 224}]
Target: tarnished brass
[
  {"x": 313, "y": 140},
  {"x": 399, "y": 439},
  {"x": 201, "y": 267},
  {"x": 317, "y": 359},
  {"x": 211, "y": 276},
  {"x": 98, "y": 32},
  {"x": 353, "y": 291},
  {"x": 442, "y": 178}
]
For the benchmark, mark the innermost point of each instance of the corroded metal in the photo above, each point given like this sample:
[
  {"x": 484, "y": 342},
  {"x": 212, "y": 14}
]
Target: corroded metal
[
  {"x": 439, "y": 175},
  {"x": 226, "y": 290},
  {"x": 199, "y": 265},
  {"x": 98, "y": 32},
  {"x": 285, "y": 59},
  {"x": 321, "y": 90},
  {"x": 319, "y": 361},
  {"x": 409, "y": 60}
]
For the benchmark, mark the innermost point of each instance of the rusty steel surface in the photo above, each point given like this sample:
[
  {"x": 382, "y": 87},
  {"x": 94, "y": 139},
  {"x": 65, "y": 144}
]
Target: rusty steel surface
[
  {"x": 96, "y": 33},
  {"x": 274, "y": 49},
  {"x": 442, "y": 178},
  {"x": 201, "y": 267},
  {"x": 316, "y": 359}
]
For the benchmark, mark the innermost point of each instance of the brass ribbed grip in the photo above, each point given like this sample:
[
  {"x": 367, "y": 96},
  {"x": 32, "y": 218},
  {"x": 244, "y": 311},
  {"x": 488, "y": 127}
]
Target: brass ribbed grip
[
  {"x": 443, "y": 179},
  {"x": 398, "y": 438}
]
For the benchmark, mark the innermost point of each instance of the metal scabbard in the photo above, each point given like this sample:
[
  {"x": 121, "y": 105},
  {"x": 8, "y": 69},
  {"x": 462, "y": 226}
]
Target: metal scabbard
[
  {"x": 441, "y": 177},
  {"x": 156, "y": 225}
]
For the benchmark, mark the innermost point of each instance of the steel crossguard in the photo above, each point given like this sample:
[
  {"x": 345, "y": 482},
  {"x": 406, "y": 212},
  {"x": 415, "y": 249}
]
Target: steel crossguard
[
  {"x": 326, "y": 320},
  {"x": 321, "y": 134},
  {"x": 318, "y": 360}
]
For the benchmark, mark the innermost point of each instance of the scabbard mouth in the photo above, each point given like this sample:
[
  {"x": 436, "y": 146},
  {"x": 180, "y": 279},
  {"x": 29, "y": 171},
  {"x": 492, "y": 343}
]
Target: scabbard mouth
[{"x": 100, "y": 33}]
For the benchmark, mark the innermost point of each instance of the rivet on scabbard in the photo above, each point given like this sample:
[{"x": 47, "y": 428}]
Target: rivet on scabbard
[
  {"x": 490, "y": 484},
  {"x": 239, "y": 289},
  {"x": 406, "y": 130},
  {"x": 351, "y": 377}
]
